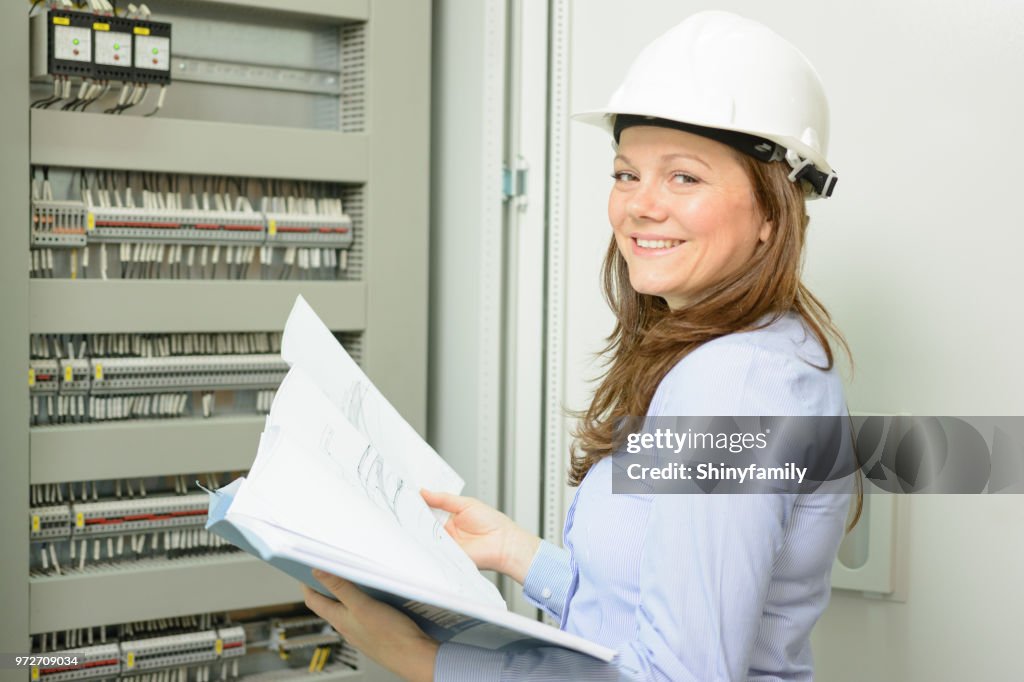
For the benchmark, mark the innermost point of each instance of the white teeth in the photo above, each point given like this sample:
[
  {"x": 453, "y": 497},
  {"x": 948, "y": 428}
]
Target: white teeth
[{"x": 658, "y": 243}]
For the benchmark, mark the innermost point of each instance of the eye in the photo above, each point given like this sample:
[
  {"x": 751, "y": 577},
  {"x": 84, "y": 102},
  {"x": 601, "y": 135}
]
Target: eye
[
  {"x": 684, "y": 179},
  {"x": 623, "y": 176}
]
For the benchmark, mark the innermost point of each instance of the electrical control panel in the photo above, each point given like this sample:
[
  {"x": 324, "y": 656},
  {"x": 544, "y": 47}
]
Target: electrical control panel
[{"x": 164, "y": 244}]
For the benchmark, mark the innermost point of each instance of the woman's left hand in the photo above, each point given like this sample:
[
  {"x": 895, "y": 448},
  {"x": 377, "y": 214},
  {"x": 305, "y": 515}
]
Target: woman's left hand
[{"x": 382, "y": 633}]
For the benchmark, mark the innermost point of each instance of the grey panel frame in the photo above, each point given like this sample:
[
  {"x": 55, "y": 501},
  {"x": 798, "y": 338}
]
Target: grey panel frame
[
  {"x": 143, "y": 306},
  {"x": 168, "y": 145},
  {"x": 390, "y": 305},
  {"x": 14, "y": 465},
  {"x": 398, "y": 205},
  {"x": 338, "y": 10},
  {"x": 82, "y": 452},
  {"x": 177, "y": 588}
]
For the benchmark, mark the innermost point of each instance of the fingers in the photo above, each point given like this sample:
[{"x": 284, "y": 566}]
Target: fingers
[
  {"x": 446, "y": 501},
  {"x": 321, "y": 605},
  {"x": 347, "y": 593}
]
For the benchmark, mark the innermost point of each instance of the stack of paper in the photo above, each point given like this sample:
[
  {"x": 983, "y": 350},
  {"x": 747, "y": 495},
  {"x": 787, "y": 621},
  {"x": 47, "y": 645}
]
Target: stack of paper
[{"x": 335, "y": 485}]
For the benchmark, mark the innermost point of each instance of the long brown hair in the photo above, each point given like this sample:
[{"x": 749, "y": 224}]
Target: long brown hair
[{"x": 649, "y": 338}]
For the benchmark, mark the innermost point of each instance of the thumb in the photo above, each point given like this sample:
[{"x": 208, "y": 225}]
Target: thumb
[{"x": 445, "y": 501}]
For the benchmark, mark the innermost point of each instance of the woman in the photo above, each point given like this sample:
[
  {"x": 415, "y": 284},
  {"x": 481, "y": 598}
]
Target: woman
[{"x": 720, "y": 132}]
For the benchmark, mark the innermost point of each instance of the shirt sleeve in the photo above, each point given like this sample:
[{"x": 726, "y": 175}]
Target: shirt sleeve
[
  {"x": 547, "y": 581},
  {"x": 708, "y": 559},
  {"x": 705, "y": 575}
]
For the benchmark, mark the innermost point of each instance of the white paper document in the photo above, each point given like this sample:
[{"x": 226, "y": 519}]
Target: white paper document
[
  {"x": 335, "y": 485},
  {"x": 310, "y": 345}
]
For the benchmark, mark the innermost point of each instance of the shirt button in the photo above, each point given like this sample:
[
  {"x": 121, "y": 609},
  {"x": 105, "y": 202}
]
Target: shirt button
[{"x": 546, "y": 593}]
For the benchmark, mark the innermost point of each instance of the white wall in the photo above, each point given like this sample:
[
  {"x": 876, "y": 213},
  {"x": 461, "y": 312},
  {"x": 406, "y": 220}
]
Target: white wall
[{"x": 918, "y": 257}]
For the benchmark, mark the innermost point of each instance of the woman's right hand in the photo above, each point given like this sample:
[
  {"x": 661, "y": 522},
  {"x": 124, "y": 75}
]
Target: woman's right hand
[{"x": 491, "y": 539}]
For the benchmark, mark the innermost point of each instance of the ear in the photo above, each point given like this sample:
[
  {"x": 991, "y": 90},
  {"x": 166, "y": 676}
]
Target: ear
[{"x": 765, "y": 231}]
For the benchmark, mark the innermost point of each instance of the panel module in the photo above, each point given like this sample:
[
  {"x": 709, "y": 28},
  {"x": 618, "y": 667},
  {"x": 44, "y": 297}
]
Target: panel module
[
  {"x": 152, "y": 52},
  {"x": 101, "y": 47},
  {"x": 112, "y": 49},
  {"x": 69, "y": 43}
]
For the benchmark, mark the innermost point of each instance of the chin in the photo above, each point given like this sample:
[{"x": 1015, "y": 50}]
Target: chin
[{"x": 648, "y": 289}]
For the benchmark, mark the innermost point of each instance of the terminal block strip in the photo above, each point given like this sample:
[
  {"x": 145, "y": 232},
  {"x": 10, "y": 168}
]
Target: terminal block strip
[
  {"x": 149, "y": 376},
  {"x": 173, "y": 226},
  {"x": 93, "y": 662},
  {"x": 144, "y": 514},
  {"x": 114, "y": 231},
  {"x": 187, "y": 372},
  {"x": 182, "y": 649},
  {"x": 58, "y": 224},
  {"x": 190, "y": 649},
  {"x": 134, "y": 656},
  {"x": 76, "y": 527}
]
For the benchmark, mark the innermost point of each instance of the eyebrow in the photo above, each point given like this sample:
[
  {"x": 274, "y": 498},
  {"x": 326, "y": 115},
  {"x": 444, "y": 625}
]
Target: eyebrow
[{"x": 669, "y": 157}]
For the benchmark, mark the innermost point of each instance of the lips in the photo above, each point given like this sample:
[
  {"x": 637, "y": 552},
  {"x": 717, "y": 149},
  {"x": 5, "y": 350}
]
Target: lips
[
  {"x": 655, "y": 245},
  {"x": 658, "y": 243}
]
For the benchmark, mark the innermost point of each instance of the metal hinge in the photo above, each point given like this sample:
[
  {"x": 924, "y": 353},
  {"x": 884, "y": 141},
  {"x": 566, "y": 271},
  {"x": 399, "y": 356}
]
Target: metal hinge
[{"x": 513, "y": 180}]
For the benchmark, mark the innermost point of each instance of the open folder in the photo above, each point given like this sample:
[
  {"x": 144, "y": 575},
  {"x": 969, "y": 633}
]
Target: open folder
[{"x": 335, "y": 486}]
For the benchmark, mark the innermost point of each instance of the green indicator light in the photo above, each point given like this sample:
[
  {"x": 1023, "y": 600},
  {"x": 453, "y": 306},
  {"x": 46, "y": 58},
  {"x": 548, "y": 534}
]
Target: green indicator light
[
  {"x": 117, "y": 46},
  {"x": 156, "y": 51},
  {"x": 75, "y": 41}
]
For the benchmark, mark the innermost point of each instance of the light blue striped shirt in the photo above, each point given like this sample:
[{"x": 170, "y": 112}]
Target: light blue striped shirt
[{"x": 692, "y": 587}]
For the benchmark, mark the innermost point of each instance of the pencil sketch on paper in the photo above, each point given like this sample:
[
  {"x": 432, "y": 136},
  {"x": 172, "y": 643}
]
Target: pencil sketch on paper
[{"x": 380, "y": 482}]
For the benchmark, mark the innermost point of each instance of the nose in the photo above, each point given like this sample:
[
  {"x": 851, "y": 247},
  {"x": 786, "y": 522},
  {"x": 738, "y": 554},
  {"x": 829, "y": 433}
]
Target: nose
[{"x": 646, "y": 203}]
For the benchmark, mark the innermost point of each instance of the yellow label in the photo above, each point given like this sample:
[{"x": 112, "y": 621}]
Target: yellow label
[
  {"x": 218, "y": 647},
  {"x": 272, "y": 227},
  {"x": 90, "y": 221},
  {"x": 141, "y": 31},
  {"x": 35, "y": 523},
  {"x": 100, "y": 27},
  {"x": 35, "y": 673},
  {"x": 80, "y": 523},
  {"x": 31, "y": 377},
  {"x": 99, "y": 372},
  {"x": 131, "y": 659},
  {"x": 68, "y": 376},
  {"x": 62, "y": 21}
]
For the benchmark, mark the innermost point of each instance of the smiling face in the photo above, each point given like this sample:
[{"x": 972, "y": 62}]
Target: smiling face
[{"x": 683, "y": 212}]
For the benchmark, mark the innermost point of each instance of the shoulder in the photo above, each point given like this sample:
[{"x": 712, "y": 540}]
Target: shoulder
[{"x": 774, "y": 370}]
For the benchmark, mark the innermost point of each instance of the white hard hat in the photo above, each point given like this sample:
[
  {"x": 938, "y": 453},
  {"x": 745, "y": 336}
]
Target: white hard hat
[{"x": 733, "y": 79}]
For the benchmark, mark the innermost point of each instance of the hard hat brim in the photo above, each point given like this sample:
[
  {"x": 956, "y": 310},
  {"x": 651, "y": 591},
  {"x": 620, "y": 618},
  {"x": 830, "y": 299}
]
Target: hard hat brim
[{"x": 605, "y": 119}]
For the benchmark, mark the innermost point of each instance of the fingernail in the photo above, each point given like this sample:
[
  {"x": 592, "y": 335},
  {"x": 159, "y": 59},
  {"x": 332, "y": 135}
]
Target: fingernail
[{"x": 317, "y": 573}]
